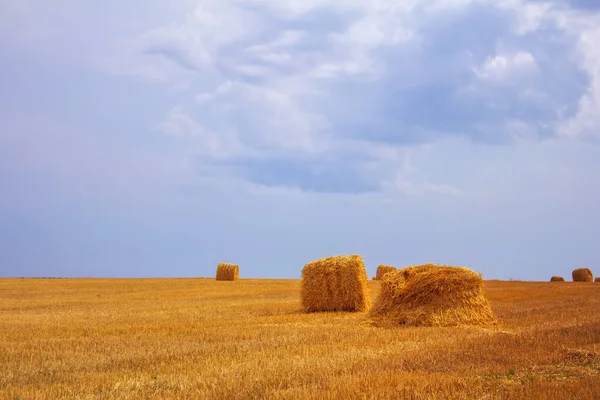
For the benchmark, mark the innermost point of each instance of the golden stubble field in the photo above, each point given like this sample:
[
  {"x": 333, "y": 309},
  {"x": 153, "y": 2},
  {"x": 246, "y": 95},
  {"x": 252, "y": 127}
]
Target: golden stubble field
[{"x": 208, "y": 339}]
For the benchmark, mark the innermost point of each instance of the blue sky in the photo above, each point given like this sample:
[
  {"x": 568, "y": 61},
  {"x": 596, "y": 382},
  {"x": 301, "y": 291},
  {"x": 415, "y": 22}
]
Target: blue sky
[{"x": 155, "y": 139}]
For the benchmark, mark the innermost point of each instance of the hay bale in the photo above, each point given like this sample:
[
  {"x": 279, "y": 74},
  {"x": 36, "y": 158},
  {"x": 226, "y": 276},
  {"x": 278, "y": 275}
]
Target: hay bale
[
  {"x": 431, "y": 295},
  {"x": 382, "y": 270},
  {"x": 557, "y": 279},
  {"x": 228, "y": 272},
  {"x": 582, "y": 275},
  {"x": 597, "y": 280},
  {"x": 337, "y": 283}
]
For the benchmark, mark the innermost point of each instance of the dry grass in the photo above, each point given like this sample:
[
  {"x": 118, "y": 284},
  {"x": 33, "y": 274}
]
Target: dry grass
[
  {"x": 557, "y": 279},
  {"x": 228, "y": 272},
  {"x": 382, "y": 270},
  {"x": 583, "y": 275},
  {"x": 202, "y": 338},
  {"x": 337, "y": 283},
  {"x": 431, "y": 295}
]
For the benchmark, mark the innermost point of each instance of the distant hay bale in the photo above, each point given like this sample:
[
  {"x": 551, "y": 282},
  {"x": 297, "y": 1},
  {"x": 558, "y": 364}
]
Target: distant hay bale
[
  {"x": 382, "y": 270},
  {"x": 228, "y": 272},
  {"x": 336, "y": 283},
  {"x": 582, "y": 275},
  {"x": 557, "y": 279},
  {"x": 431, "y": 295},
  {"x": 597, "y": 279}
]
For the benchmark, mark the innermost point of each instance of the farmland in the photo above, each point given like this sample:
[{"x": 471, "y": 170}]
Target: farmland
[{"x": 202, "y": 338}]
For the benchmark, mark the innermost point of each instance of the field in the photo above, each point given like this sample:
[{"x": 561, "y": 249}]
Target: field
[{"x": 208, "y": 339}]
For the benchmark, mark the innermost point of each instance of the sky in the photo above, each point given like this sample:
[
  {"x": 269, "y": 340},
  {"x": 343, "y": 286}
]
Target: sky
[{"x": 156, "y": 139}]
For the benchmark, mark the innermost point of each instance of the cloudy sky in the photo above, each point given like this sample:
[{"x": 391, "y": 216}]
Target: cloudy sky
[{"x": 155, "y": 138}]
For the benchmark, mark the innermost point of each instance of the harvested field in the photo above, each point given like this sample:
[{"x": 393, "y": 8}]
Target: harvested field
[{"x": 191, "y": 338}]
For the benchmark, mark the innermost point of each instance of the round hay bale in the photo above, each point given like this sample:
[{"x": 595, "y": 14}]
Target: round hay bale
[
  {"x": 582, "y": 275},
  {"x": 557, "y": 279},
  {"x": 228, "y": 272},
  {"x": 382, "y": 270},
  {"x": 597, "y": 279},
  {"x": 431, "y": 295},
  {"x": 336, "y": 283}
]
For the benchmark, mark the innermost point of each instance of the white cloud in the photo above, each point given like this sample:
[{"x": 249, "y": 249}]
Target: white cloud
[
  {"x": 182, "y": 48},
  {"x": 291, "y": 9},
  {"x": 222, "y": 145},
  {"x": 586, "y": 121},
  {"x": 265, "y": 117},
  {"x": 284, "y": 40},
  {"x": 213, "y": 24},
  {"x": 381, "y": 25},
  {"x": 341, "y": 69},
  {"x": 529, "y": 16},
  {"x": 504, "y": 68},
  {"x": 448, "y": 5},
  {"x": 284, "y": 84}
]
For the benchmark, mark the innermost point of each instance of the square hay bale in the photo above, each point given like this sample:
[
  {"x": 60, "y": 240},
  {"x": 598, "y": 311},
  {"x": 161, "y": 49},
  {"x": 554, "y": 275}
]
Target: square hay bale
[
  {"x": 557, "y": 279},
  {"x": 228, "y": 272},
  {"x": 336, "y": 283},
  {"x": 382, "y": 270},
  {"x": 432, "y": 295},
  {"x": 583, "y": 275}
]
